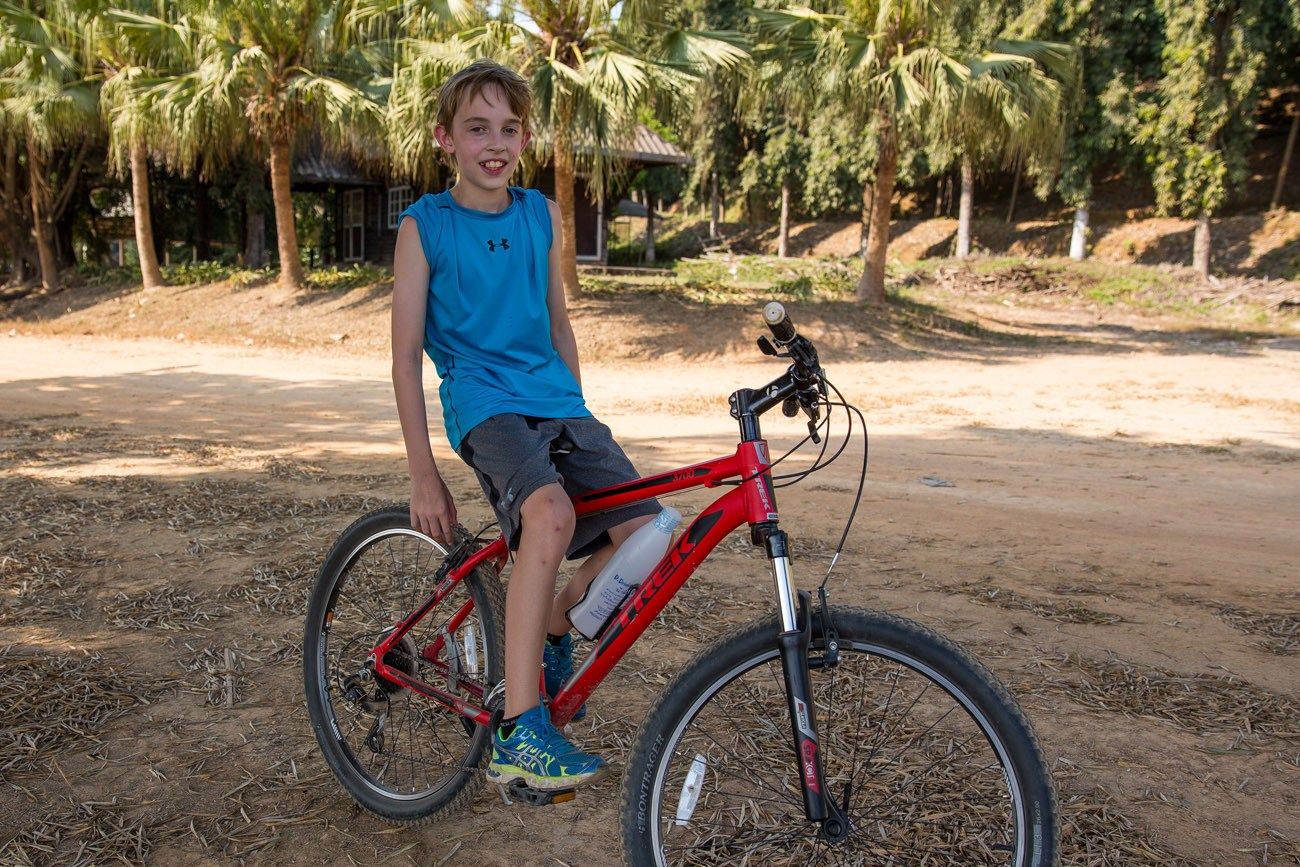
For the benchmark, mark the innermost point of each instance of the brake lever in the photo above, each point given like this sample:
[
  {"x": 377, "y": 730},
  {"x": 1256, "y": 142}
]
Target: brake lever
[{"x": 812, "y": 431}]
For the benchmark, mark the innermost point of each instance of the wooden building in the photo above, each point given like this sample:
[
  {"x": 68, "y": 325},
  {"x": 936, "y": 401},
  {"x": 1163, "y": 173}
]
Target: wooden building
[{"x": 365, "y": 208}]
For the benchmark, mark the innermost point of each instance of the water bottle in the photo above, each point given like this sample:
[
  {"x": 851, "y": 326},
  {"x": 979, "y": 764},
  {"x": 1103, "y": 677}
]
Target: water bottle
[{"x": 623, "y": 573}]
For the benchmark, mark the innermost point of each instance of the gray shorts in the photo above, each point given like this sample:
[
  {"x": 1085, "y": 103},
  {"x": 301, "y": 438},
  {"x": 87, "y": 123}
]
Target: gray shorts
[{"x": 515, "y": 455}]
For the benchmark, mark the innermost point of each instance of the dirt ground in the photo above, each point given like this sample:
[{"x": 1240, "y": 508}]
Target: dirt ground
[{"x": 1115, "y": 536}]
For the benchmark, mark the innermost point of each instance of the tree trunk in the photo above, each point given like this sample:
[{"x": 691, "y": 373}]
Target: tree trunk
[
  {"x": 1286, "y": 159},
  {"x": 868, "y": 208},
  {"x": 202, "y": 220},
  {"x": 871, "y": 287},
  {"x": 255, "y": 239},
  {"x": 783, "y": 242},
  {"x": 714, "y": 205},
  {"x": 964, "y": 209},
  {"x": 42, "y": 231},
  {"x": 650, "y": 227},
  {"x": 1079, "y": 234},
  {"x": 15, "y": 215},
  {"x": 291, "y": 273},
  {"x": 565, "y": 175},
  {"x": 149, "y": 270},
  {"x": 1201, "y": 247},
  {"x": 1015, "y": 190},
  {"x": 938, "y": 197}
]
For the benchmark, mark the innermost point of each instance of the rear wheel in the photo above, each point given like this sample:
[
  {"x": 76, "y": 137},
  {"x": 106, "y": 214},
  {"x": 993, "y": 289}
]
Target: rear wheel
[
  {"x": 929, "y": 756},
  {"x": 402, "y": 756}
]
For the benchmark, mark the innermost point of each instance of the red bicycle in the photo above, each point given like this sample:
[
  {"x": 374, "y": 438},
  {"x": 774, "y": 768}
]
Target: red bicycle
[{"x": 820, "y": 734}]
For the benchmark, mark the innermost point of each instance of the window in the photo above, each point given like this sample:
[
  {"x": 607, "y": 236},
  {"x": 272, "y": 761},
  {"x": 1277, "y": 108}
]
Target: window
[
  {"x": 399, "y": 199},
  {"x": 354, "y": 236}
]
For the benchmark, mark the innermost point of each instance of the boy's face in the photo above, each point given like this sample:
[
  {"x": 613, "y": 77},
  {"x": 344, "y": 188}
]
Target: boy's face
[{"x": 485, "y": 139}]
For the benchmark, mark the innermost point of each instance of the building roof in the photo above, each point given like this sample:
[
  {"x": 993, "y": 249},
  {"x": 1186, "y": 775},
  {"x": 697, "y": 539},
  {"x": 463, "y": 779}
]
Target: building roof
[
  {"x": 647, "y": 146},
  {"x": 312, "y": 166}
]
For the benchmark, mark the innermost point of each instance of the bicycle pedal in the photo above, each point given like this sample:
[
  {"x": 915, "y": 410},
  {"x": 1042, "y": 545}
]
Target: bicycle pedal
[{"x": 520, "y": 791}]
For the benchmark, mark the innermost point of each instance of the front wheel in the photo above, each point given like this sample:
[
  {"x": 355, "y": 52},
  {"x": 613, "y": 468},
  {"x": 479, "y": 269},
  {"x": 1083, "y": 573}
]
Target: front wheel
[{"x": 928, "y": 755}]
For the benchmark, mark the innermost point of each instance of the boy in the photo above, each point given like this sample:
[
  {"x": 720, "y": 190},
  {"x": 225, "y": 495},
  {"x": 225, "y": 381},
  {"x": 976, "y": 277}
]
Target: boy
[{"x": 477, "y": 285}]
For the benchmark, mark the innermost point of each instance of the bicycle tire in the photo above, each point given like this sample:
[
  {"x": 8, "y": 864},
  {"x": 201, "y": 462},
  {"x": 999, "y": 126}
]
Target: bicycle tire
[
  {"x": 457, "y": 748},
  {"x": 676, "y": 757}
]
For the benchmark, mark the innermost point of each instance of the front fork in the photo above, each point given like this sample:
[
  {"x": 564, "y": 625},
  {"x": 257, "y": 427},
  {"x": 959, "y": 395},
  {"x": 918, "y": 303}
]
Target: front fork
[{"x": 794, "y": 638}]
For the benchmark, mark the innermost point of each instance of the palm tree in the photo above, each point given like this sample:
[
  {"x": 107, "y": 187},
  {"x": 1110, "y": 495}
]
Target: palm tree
[
  {"x": 590, "y": 67},
  {"x": 894, "y": 64},
  {"x": 131, "y": 53},
  {"x": 266, "y": 73},
  {"x": 1011, "y": 109},
  {"x": 780, "y": 97},
  {"x": 48, "y": 105}
]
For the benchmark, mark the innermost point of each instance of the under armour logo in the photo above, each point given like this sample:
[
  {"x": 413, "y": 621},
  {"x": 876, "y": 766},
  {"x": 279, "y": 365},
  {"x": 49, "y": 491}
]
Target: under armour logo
[{"x": 492, "y": 245}]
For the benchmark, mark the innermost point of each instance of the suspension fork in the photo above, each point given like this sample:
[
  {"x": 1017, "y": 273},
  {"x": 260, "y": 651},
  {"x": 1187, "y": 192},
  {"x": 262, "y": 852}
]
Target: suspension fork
[{"x": 794, "y": 638}]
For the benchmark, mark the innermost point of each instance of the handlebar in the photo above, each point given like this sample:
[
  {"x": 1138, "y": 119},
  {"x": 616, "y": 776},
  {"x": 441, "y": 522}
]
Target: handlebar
[
  {"x": 802, "y": 385},
  {"x": 779, "y": 323}
]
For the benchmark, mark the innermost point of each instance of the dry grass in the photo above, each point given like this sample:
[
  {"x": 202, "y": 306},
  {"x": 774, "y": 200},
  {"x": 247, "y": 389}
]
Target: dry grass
[
  {"x": 1195, "y": 702},
  {"x": 89, "y": 832},
  {"x": 50, "y": 701},
  {"x": 35, "y": 441},
  {"x": 36, "y": 581},
  {"x": 1281, "y": 632},
  {"x": 1095, "y": 834},
  {"x": 168, "y": 609},
  {"x": 1000, "y": 597},
  {"x": 1280, "y": 629},
  {"x": 279, "y": 587}
]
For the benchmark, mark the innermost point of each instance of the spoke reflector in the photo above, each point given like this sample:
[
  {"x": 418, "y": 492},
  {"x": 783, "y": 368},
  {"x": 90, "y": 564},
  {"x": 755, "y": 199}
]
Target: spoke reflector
[
  {"x": 691, "y": 790},
  {"x": 471, "y": 649}
]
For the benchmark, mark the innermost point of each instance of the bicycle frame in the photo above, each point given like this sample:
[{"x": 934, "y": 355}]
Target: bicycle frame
[{"x": 752, "y": 502}]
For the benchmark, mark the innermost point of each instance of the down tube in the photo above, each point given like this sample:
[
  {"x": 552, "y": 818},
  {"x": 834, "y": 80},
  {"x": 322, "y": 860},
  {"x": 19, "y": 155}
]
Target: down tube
[{"x": 705, "y": 532}]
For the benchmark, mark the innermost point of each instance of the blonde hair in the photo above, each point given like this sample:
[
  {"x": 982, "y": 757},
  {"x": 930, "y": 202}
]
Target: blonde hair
[{"x": 471, "y": 81}]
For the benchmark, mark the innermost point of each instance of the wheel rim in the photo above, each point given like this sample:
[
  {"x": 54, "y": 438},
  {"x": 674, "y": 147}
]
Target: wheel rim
[
  {"x": 422, "y": 748},
  {"x": 931, "y": 782}
]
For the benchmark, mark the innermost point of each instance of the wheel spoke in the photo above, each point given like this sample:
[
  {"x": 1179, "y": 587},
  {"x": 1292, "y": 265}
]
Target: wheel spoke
[
  {"x": 928, "y": 785},
  {"x": 425, "y": 748}
]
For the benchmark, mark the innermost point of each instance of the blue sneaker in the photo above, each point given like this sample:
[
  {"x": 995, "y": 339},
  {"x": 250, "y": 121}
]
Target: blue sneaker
[
  {"x": 539, "y": 755},
  {"x": 557, "y": 665}
]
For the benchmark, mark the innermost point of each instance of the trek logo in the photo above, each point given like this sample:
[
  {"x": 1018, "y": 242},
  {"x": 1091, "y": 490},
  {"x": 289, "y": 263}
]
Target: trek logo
[
  {"x": 675, "y": 557},
  {"x": 504, "y": 244}
]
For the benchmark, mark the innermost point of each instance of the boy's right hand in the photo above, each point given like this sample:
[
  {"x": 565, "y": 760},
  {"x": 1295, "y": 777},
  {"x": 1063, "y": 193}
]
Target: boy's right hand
[{"x": 432, "y": 509}]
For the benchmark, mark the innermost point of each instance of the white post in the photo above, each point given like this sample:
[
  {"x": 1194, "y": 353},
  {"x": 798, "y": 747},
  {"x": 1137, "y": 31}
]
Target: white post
[
  {"x": 1079, "y": 235},
  {"x": 965, "y": 207}
]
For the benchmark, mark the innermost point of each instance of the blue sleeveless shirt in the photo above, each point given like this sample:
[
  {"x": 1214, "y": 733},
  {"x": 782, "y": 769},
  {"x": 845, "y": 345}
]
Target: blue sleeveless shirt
[{"x": 487, "y": 326}]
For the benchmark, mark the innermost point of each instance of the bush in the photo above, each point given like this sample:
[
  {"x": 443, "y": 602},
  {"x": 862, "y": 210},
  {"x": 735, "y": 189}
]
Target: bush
[
  {"x": 197, "y": 272},
  {"x": 337, "y": 279}
]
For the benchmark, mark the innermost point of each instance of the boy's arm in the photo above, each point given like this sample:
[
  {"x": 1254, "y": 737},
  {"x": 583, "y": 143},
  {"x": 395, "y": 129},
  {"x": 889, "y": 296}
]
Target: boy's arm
[
  {"x": 432, "y": 509},
  {"x": 561, "y": 331}
]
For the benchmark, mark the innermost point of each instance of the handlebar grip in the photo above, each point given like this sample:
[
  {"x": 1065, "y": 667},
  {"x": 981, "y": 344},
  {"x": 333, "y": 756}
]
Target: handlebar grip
[{"x": 775, "y": 316}]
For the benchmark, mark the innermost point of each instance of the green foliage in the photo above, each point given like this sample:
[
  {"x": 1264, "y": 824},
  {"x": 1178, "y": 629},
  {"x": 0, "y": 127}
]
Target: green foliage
[
  {"x": 800, "y": 279},
  {"x": 1201, "y": 120},
  {"x": 197, "y": 272},
  {"x": 335, "y": 279}
]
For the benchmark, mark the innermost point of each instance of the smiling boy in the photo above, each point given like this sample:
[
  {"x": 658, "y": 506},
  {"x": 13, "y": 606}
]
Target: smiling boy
[{"x": 477, "y": 286}]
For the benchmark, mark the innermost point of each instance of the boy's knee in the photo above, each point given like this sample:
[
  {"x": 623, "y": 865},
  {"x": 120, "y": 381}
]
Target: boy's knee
[{"x": 549, "y": 510}]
